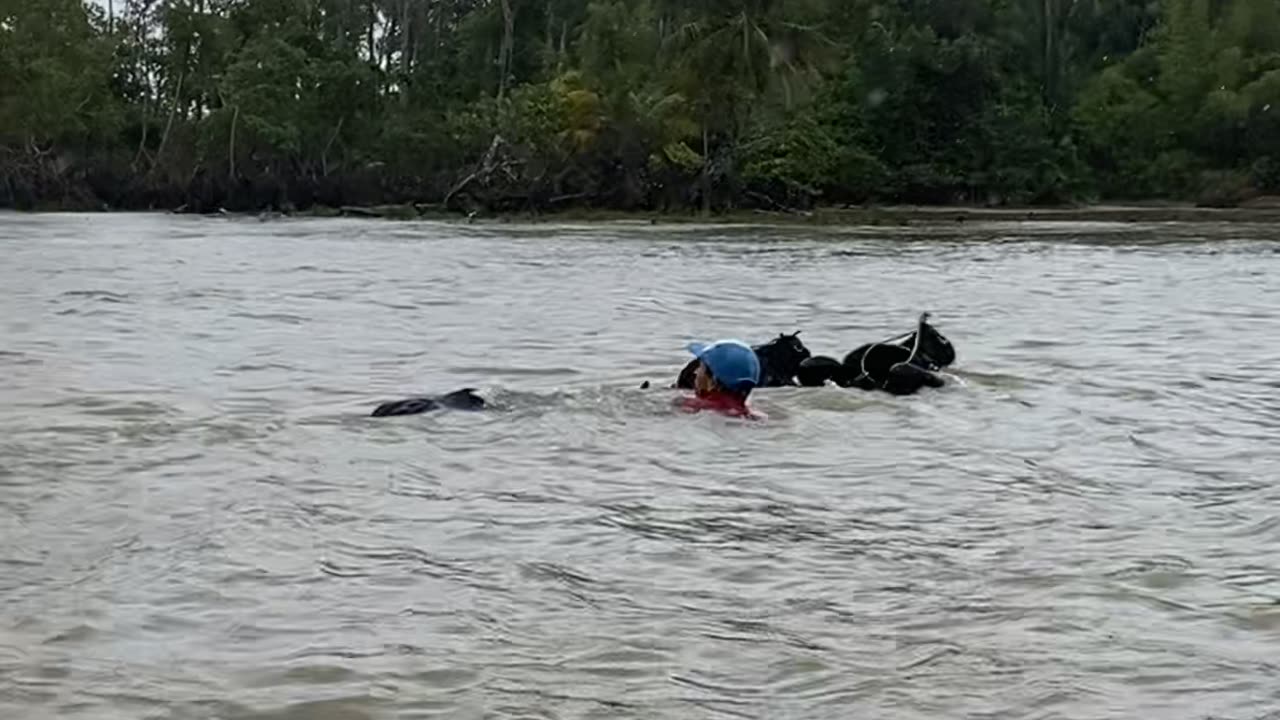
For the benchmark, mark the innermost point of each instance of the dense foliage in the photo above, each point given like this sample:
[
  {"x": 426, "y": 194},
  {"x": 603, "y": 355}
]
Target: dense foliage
[{"x": 540, "y": 104}]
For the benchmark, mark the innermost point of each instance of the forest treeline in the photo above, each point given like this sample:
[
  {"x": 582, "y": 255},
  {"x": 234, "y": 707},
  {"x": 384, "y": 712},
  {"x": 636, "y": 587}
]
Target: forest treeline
[{"x": 509, "y": 105}]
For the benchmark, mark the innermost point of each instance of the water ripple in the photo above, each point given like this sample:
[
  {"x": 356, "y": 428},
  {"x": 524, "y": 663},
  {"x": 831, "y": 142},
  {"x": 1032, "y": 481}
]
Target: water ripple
[{"x": 199, "y": 519}]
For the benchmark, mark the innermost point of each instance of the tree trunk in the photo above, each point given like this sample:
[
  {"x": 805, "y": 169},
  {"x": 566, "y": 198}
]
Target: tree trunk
[
  {"x": 231, "y": 149},
  {"x": 406, "y": 25},
  {"x": 504, "y": 53},
  {"x": 393, "y": 27},
  {"x": 438, "y": 41},
  {"x": 373, "y": 43},
  {"x": 131, "y": 10},
  {"x": 550, "y": 35},
  {"x": 706, "y": 172},
  {"x": 199, "y": 98},
  {"x": 168, "y": 126},
  {"x": 142, "y": 142},
  {"x": 406, "y": 56},
  {"x": 178, "y": 100},
  {"x": 324, "y": 154},
  {"x": 1048, "y": 20}
]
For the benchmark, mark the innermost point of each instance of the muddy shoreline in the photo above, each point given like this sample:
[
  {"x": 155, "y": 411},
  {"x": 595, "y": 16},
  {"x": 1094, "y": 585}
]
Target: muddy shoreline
[{"x": 1264, "y": 210}]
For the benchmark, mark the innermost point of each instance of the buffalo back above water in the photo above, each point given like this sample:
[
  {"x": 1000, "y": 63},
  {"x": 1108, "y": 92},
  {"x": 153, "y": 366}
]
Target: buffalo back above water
[{"x": 877, "y": 365}]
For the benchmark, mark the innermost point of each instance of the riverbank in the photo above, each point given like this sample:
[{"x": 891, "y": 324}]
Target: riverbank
[
  {"x": 910, "y": 214},
  {"x": 1266, "y": 209},
  {"x": 1260, "y": 210}
]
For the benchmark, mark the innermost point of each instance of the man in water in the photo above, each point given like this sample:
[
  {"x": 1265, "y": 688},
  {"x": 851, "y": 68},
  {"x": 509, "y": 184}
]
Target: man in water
[{"x": 728, "y": 370}]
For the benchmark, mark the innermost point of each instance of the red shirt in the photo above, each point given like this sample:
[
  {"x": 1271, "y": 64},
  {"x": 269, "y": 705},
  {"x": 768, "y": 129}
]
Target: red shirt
[{"x": 723, "y": 403}]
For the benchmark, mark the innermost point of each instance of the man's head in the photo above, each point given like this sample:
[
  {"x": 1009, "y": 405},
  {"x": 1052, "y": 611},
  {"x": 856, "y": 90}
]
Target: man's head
[{"x": 727, "y": 365}]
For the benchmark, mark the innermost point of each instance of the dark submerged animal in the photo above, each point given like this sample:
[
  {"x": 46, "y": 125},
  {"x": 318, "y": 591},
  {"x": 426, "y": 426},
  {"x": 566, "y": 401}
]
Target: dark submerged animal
[
  {"x": 901, "y": 365},
  {"x": 818, "y": 370},
  {"x": 464, "y": 399},
  {"x": 780, "y": 361}
]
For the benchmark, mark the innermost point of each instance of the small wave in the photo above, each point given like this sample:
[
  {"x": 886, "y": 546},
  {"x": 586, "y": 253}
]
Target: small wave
[
  {"x": 828, "y": 399},
  {"x": 272, "y": 317},
  {"x": 391, "y": 558},
  {"x": 406, "y": 306},
  {"x": 555, "y": 573},
  {"x": 105, "y": 407},
  {"x": 513, "y": 371},
  {"x": 348, "y": 707},
  {"x": 78, "y": 312},
  {"x": 209, "y": 293},
  {"x": 15, "y": 358},
  {"x": 101, "y": 295},
  {"x": 259, "y": 367},
  {"x": 321, "y": 270}
]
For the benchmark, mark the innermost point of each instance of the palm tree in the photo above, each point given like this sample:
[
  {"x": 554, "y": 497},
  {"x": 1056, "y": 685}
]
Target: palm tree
[{"x": 731, "y": 52}]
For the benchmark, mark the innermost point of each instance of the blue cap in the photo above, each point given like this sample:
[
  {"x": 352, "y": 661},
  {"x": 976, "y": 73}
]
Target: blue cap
[{"x": 732, "y": 363}]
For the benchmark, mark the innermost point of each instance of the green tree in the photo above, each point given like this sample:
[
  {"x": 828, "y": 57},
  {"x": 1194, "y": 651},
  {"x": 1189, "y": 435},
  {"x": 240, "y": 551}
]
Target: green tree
[{"x": 636, "y": 103}]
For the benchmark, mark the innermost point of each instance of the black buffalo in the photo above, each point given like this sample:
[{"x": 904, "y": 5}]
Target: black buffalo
[
  {"x": 901, "y": 365},
  {"x": 464, "y": 399}
]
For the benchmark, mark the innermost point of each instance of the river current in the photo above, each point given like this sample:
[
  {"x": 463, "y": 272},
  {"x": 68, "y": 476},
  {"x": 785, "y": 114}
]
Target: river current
[{"x": 198, "y": 519}]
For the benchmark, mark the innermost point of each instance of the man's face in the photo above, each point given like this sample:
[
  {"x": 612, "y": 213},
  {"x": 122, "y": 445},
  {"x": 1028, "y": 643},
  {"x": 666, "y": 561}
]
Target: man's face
[{"x": 703, "y": 383}]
